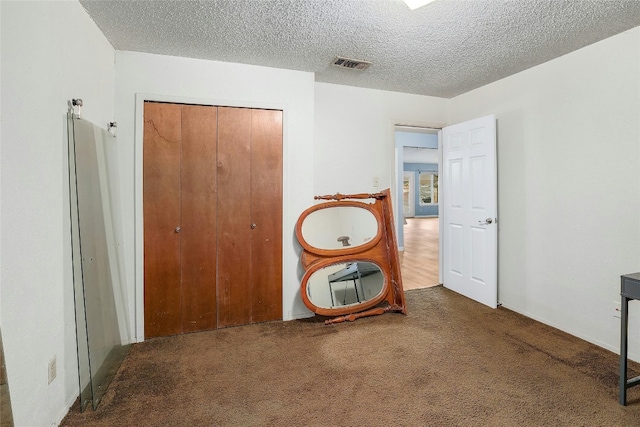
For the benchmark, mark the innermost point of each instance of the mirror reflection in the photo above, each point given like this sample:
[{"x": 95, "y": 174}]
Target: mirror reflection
[
  {"x": 345, "y": 284},
  {"x": 339, "y": 227}
]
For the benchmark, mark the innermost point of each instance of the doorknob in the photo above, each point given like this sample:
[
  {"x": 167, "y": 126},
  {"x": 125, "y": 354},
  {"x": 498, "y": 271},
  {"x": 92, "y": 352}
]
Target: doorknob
[
  {"x": 486, "y": 221},
  {"x": 177, "y": 230}
]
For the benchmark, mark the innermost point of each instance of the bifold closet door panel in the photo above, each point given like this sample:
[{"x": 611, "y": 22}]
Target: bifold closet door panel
[
  {"x": 212, "y": 217},
  {"x": 161, "y": 199},
  {"x": 266, "y": 211},
  {"x": 234, "y": 216},
  {"x": 198, "y": 224}
]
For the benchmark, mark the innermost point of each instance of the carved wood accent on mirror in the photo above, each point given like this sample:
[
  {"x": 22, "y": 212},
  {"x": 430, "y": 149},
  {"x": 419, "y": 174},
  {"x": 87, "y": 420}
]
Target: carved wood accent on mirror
[{"x": 350, "y": 257}]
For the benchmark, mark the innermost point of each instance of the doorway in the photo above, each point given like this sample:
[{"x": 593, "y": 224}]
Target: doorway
[{"x": 417, "y": 169}]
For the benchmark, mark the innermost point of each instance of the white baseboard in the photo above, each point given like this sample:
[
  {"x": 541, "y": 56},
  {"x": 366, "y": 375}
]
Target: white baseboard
[{"x": 64, "y": 411}]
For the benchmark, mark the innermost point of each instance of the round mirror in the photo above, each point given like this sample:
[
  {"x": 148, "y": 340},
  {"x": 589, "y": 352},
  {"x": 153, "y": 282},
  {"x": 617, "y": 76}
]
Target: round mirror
[
  {"x": 345, "y": 285},
  {"x": 346, "y": 227}
]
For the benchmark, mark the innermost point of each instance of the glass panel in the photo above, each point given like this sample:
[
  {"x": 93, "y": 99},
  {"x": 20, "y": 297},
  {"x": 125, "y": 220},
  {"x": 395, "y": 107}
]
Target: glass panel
[
  {"x": 339, "y": 226},
  {"x": 428, "y": 188},
  {"x": 435, "y": 189},
  {"x": 6, "y": 413},
  {"x": 345, "y": 284},
  {"x": 406, "y": 195},
  {"x": 101, "y": 316},
  {"x": 82, "y": 342}
]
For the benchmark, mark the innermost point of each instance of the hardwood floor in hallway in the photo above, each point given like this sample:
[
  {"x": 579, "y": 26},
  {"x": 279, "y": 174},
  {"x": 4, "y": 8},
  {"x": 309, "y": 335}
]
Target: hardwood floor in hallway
[{"x": 419, "y": 260}]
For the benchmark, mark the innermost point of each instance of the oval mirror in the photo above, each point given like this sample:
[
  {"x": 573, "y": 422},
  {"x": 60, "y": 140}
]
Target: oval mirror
[
  {"x": 346, "y": 285},
  {"x": 343, "y": 227}
]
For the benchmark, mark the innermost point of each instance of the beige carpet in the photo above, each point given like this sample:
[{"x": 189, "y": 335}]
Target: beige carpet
[{"x": 449, "y": 362}]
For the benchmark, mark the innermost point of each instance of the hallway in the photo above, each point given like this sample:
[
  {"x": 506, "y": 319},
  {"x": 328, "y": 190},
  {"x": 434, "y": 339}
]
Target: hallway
[{"x": 419, "y": 261}]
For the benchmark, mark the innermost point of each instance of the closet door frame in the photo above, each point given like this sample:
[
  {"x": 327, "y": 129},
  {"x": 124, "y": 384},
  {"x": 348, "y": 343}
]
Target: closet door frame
[{"x": 137, "y": 294}]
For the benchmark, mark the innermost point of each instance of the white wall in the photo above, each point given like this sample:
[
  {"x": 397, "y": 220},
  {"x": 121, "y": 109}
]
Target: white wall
[
  {"x": 216, "y": 83},
  {"x": 354, "y": 135},
  {"x": 51, "y": 52},
  {"x": 569, "y": 186},
  {"x": 355, "y": 138}
]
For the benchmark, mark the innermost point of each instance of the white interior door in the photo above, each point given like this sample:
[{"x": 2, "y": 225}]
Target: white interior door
[
  {"x": 469, "y": 201},
  {"x": 408, "y": 195}
]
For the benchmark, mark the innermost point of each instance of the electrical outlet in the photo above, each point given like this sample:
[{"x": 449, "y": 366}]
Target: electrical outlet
[
  {"x": 616, "y": 309},
  {"x": 52, "y": 369},
  {"x": 376, "y": 182}
]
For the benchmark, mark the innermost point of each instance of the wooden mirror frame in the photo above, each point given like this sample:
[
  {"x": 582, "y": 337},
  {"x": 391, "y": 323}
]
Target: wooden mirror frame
[
  {"x": 342, "y": 310},
  {"x": 348, "y": 250},
  {"x": 382, "y": 251}
]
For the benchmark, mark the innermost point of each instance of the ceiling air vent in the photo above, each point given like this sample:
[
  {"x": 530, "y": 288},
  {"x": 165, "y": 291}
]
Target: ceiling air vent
[{"x": 352, "y": 64}]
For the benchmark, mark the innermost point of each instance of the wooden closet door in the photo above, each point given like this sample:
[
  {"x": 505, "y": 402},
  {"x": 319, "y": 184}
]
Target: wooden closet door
[
  {"x": 266, "y": 212},
  {"x": 161, "y": 198},
  {"x": 234, "y": 216},
  {"x": 213, "y": 217},
  {"x": 198, "y": 224},
  {"x": 249, "y": 216}
]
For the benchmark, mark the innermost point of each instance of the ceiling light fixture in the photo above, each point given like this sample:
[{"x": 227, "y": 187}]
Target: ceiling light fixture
[{"x": 414, "y": 4}]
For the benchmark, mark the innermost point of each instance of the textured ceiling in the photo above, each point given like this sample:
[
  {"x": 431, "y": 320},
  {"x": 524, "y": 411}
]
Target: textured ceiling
[{"x": 443, "y": 49}]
